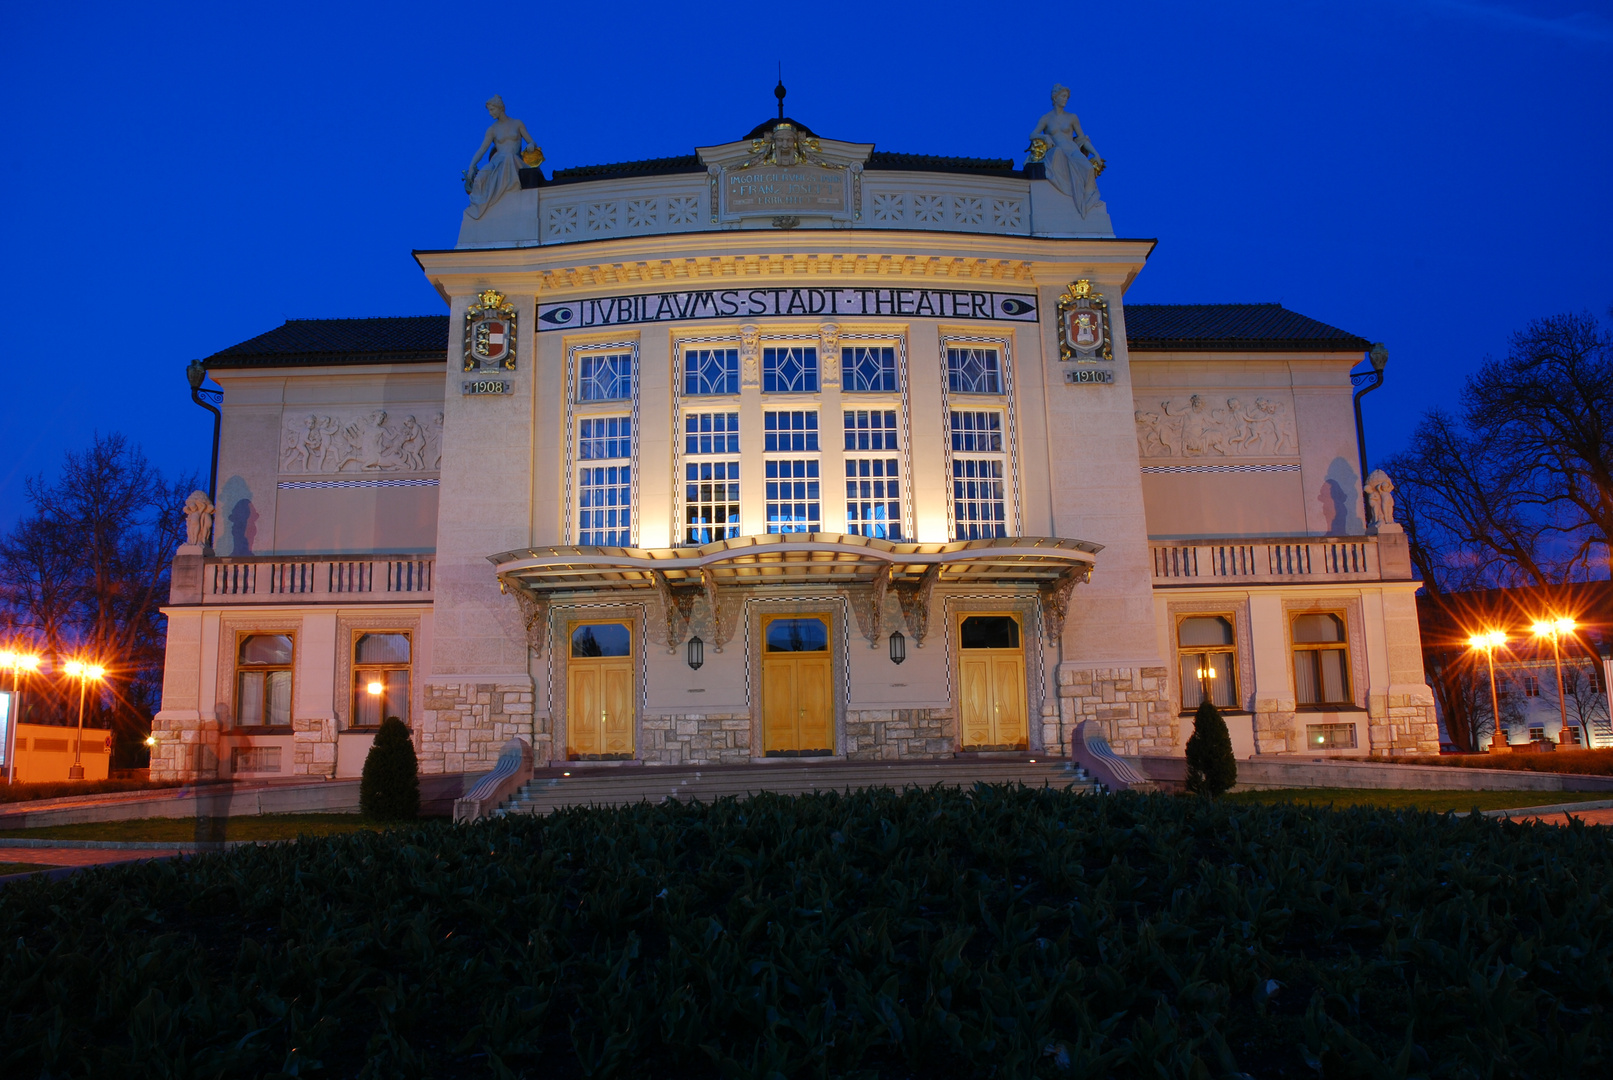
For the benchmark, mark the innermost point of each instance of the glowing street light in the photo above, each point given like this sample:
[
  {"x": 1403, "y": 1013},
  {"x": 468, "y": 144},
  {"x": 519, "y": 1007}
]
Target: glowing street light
[
  {"x": 1489, "y": 641},
  {"x": 1554, "y": 629},
  {"x": 85, "y": 674},
  {"x": 18, "y": 663}
]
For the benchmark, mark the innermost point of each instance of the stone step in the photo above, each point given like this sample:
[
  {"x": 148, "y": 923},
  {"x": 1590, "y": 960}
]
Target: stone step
[{"x": 552, "y": 789}]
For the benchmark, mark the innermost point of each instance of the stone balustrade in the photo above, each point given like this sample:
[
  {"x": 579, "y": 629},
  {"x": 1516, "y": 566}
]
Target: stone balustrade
[
  {"x": 1205, "y": 562},
  {"x": 277, "y": 579}
]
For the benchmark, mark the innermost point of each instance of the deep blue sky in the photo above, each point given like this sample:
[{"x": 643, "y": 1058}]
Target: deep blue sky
[{"x": 177, "y": 178}]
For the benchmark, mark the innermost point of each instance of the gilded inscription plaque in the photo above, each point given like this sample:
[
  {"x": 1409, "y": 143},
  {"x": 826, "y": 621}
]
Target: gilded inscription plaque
[{"x": 772, "y": 190}]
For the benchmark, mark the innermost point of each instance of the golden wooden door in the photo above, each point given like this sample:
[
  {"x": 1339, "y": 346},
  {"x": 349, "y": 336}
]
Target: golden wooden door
[
  {"x": 599, "y": 691},
  {"x": 797, "y": 686},
  {"x": 991, "y": 683}
]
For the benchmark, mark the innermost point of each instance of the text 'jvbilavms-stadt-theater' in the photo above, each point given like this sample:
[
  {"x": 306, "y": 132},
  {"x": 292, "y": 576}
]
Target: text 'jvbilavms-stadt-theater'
[{"x": 789, "y": 447}]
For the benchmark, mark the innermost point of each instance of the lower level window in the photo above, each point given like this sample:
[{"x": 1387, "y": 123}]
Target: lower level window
[
  {"x": 1321, "y": 660},
  {"x": 605, "y": 505},
  {"x": 1330, "y": 736},
  {"x": 380, "y": 678},
  {"x": 873, "y": 498},
  {"x": 794, "y": 499},
  {"x": 710, "y": 501},
  {"x": 263, "y": 681},
  {"x": 979, "y": 502}
]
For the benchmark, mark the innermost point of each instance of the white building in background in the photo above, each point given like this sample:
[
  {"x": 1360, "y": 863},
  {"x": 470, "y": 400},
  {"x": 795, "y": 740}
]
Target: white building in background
[{"x": 789, "y": 447}]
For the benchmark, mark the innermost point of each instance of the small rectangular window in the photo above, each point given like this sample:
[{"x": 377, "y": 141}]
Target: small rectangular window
[
  {"x": 868, "y": 369},
  {"x": 1330, "y": 736},
  {"x": 602, "y": 438},
  {"x": 871, "y": 429},
  {"x": 1531, "y": 686},
  {"x": 790, "y": 371},
  {"x": 790, "y": 432},
  {"x": 710, "y": 371},
  {"x": 711, "y": 433},
  {"x": 977, "y": 432},
  {"x": 605, "y": 377},
  {"x": 1321, "y": 660},
  {"x": 711, "y": 501},
  {"x": 979, "y": 500},
  {"x": 1537, "y": 733},
  {"x": 974, "y": 371},
  {"x": 873, "y": 498},
  {"x": 793, "y": 496},
  {"x": 381, "y": 663},
  {"x": 245, "y": 759}
]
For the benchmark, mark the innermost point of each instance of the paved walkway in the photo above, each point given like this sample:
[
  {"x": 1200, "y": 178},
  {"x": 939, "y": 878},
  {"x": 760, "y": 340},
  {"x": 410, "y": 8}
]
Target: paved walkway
[
  {"x": 70, "y": 859},
  {"x": 1603, "y": 816}
]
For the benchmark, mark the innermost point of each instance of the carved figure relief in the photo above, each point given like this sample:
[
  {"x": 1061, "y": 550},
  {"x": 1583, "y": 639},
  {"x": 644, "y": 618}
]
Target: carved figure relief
[
  {"x": 373, "y": 442},
  {"x": 829, "y": 353},
  {"x": 504, "y": 138},
  {"x": 750, "y": 353},
  {"x": 1380, "y": 491},
  {"x": 1071, "y": 162},
  {"x": 1200, "y": 427},
  {"x": 198, "y": 519}
]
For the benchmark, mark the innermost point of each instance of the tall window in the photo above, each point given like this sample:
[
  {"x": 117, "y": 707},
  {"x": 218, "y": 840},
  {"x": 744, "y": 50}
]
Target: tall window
[
  {"x": 974, "y": 371},
  {"x": 711, "y": 477},
  {"x": 979, "y": 493},
  {"x": 873, "y": 487},
  {"x": 868, "y": 369},
  {"x": 794, "y": 495},
  {"x": 263, "y": 681},
  {"x": 791, "y": 370},
  {"x": 1208, "y": 651},
  {"x": 380, "y": 678},
  {"x": 1321, "y": 660},
  {"x": 605, "y": 489},
  {"x": 605, "y": 377},
  {"x": 711, "y": 371}
]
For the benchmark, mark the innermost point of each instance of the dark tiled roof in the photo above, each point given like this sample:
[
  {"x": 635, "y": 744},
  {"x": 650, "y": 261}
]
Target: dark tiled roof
[
  {"x": 665, "y": 166},
  {"x": 1168, "y": 327},
  {"x": 768, "y": 125},
  {"x": 885, "y": 159},
  {"x": 399, "y": 339}
]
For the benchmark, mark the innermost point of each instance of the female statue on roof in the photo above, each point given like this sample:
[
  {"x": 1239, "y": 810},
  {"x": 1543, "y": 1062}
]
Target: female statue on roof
[
  {"x": 1064, "y": 151},
  {"x": 503, "y": 172}
]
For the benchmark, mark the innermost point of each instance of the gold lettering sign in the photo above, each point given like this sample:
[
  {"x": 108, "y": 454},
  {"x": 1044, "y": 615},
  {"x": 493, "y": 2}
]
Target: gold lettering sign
[{"x": 776, "y": 189}]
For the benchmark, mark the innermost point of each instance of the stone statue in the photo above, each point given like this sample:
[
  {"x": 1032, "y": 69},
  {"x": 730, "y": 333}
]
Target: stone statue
[
  {"x": 1064, "y": 150},
  {"x": 503, "y": 173},
  {"x": 1380, "y": 492},
  {"x": 198, "y": 519}
]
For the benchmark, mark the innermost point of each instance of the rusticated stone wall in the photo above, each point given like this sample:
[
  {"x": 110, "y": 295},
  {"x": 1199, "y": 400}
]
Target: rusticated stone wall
[
  {"x": 898, "y": 734},
  {"x": 465, "y": 724},
  {"x": 1133, "y": 705},
  {"x": 696, "y": 739},
  {"x": 1403, "y": 721}
]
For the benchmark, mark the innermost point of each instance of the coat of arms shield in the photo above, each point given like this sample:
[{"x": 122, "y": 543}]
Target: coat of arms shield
[
  {"x": 490, "y": 334},
  {"x": 1083, "y": 324}
]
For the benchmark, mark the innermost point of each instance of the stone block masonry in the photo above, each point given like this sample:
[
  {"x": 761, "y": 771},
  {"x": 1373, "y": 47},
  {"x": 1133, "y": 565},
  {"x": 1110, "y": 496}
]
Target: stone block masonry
[
  {"x": 696, "y": 739},
  {"x": 898, "y": 734},
  {"x": 1132, "y": 704},
  {"x": 465, "y": 724}
]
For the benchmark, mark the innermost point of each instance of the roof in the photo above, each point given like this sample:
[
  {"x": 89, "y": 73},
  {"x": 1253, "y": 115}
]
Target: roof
[
  {"x": 886, "y": 159},
  {"x": 684, "y": 163},
  {"x": 1170, "y": 327},
  {"x": 397, "y": 339}
]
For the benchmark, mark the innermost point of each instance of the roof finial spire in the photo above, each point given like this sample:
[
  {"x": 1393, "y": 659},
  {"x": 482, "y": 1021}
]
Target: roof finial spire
[{"x": 778, "y": 91}]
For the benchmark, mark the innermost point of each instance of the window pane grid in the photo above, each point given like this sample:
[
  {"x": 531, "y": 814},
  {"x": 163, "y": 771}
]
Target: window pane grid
[
  {"x": 605, "y": 377},
  {"x": 977, "y": 432},
  {"x": 711, "y": 433},
  {"x": 790, "y": 432},
  {"x": 793, "y": 496},
  {"x": 974, "y": 371},
  {"x": 1219, "y": 679},
  {"x": 871, "y": 429},
  {"x": 605, "y": 437},
  {"x": 790, "y": 371},
  {"x": 868, "y": 369},
  {"x": 873, "y": 498},
  {"x": 979, "y": 506},
  {"x": 711, "y": 501},
  {"x": 711, "y": 371},
  {"x": 604, "y": 506}
]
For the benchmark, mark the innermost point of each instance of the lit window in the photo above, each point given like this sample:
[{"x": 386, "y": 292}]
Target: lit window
[
  {"x": 790, "y": 432},
  {"x": 605, "y": 377},
  {"x": 979, "y": 500},
  {"x": 793, "y": 499},
  {"x": 974, "y": 371},
  {"x": 710, "y": 501},
  {"x": 380, "y": 678},
  {"x": 1321, "y": 660},
  {"x": 790, "y": 371},
  {"x": 711, "y": 433},
  {"x": 1330, "y": 736},
  {"x": 868, "y": 369},
  {"x": 605, "y": 492},
  {"x": 873, "y": 498},
  {"x": 1208, "y": 652},
  {"x": 711, "y": 371},
  {"x": 263, "y": 681},
  {"x": 977, "y": 432},
  {"x": 602, "y": 438},
  {"x": 871, "y": 429}
]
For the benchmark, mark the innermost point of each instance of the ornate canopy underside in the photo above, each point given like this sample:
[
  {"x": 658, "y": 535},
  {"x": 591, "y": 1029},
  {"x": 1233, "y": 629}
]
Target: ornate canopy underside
[{"x": 863, "y": 567}]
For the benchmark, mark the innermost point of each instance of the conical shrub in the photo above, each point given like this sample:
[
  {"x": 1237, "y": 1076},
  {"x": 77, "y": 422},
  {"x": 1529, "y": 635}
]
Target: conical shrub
[
  {"x": 1211, "y": 767},
  {"x": 390, "y": 787}
]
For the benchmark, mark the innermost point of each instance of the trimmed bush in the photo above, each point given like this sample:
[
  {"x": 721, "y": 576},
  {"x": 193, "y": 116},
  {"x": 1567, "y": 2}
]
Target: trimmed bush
[
  {"x": 1211, "y": 768},
  {"x": 390, "y": 788}
]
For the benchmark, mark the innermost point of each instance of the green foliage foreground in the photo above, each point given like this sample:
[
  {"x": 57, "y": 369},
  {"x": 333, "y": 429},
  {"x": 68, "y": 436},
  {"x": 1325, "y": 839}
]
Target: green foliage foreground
[{"x": 938, "y": 933}]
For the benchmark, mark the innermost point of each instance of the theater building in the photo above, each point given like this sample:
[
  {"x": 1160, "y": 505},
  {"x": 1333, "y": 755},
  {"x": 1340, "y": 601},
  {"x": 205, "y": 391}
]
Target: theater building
[{"x": 791, "y": 447}]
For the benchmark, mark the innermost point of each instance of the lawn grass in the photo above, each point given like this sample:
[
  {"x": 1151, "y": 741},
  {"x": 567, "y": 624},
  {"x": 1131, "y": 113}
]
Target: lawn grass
[
  {"x": 1395, "y": 799},
  {"x": 256, "y": 827},
  {"x": 1566, "y": 760},
  {"x": 21, "y": 867},
  {"x": 999, "y": 931}
]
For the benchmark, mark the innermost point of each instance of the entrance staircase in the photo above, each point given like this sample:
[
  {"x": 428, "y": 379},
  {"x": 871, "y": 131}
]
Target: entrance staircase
[{"x": 551, "y": 789}]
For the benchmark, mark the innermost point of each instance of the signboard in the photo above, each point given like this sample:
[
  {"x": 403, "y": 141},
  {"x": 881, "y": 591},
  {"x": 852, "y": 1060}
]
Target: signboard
[
  {"x": 953, "y": 304},
  {"x": 486, "y": 386},
  {"x": 777, "y": 190},
  {"x": 1089, "y": 375}
]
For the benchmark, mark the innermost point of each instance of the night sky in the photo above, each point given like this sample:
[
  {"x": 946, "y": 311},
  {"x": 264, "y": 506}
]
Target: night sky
[{"x": 1431, "y": 174}]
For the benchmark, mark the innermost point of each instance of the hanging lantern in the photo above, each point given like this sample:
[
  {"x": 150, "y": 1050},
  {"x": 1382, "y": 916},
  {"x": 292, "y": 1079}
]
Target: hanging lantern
[
  {"x": 898, "y": 647},
  {"x": 697, "y": 652}
]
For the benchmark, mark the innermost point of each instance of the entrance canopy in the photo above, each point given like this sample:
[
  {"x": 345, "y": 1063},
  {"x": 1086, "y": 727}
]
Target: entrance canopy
[{"x": 800, "y": 559}]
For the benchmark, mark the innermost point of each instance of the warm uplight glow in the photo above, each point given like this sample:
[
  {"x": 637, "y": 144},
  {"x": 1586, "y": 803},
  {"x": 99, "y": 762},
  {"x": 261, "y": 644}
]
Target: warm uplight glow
[
  {"x": 151, "y": 740},
  {"x": 1206, "y": 673},
  {"x": 1488, "y": 640},
  {"x": 374, "y": 688}
]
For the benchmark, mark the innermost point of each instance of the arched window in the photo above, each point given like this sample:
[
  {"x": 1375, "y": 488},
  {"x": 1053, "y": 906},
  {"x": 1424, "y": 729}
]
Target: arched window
[
  {"x": 1208, "y": 652},
  {"x": 1321, "y": 660},
  {"x": 263, "y": 681}
]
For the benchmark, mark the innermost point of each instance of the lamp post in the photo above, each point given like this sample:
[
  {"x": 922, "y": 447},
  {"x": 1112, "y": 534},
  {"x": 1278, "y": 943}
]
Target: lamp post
[
  {"x": 1553, "y": 629},
  {"x": 85, "y": 674},
  {"x": 18, "y": 663},
  {"x": 1489, "y": 641}
]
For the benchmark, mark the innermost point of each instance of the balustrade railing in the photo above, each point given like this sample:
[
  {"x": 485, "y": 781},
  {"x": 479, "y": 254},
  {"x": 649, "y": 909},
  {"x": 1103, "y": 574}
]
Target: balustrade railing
[
  {"x": 1323, "y": 559},
  {"x": 270, "y": 579}
]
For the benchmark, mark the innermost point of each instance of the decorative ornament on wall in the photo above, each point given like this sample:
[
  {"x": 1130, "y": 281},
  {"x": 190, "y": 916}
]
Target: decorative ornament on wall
[
  {"x": 490, "y": 333},
  {"x": 1200, "y": 427},
  {"x": 368, "y": 441},
  {"x": 1083, "y": 324}
]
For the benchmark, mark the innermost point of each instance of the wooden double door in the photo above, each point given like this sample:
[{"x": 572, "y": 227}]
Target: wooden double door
[
  {"x": 599, "y": 691},
  {"x": 991, "y": 676},
  {"x": 797, "y": 686}
]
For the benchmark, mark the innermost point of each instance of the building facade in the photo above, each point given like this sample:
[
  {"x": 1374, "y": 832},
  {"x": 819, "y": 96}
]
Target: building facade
[{"x": 790, "y": 447}]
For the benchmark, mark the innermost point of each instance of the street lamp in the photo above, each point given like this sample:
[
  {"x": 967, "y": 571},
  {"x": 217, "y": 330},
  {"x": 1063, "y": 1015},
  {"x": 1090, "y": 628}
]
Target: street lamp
[
  {"x": 85, "y": 674},
  {"x": 1489, "y": 641},
  {"x": 18, "y": 663},
  {"x": 1553, "y": 629}
]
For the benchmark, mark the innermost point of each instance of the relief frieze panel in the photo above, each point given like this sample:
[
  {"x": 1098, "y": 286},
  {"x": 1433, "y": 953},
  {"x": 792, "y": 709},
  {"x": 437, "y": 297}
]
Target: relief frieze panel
[
  {"x": 365, "y": 441},
  {"x": 1201, "y": 425}
]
